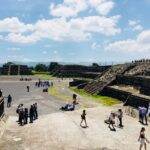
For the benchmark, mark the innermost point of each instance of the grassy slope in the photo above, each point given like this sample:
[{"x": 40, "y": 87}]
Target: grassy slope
[
  {"x": 105, "y": 100},
  {"x": 43, "y": 75}
]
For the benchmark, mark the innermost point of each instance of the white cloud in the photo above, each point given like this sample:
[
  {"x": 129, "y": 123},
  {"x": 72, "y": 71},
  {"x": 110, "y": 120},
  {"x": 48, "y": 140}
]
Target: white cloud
[
  {"x": 58, "y": 29},
  {"x": 71, "y": 8},
  {"x": 140, "y": 44},
  {"x": 68, "y": 8},
  {"x": 135, "y": 25},
  {"x": 14, "y": 25},
  {"x": 62, "y": 28},
  {"x": 19, "y": 38},
  {"x": 103, "y": 7}
]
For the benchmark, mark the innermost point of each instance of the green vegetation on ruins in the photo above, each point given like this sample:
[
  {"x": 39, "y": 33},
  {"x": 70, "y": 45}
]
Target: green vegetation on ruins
[
  {"x": 105, "y": 100},
  {"x": 42, "y": 75}
]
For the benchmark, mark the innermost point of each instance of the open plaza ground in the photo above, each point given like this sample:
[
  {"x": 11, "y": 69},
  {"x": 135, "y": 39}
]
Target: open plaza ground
[{"x": 57, "y": 130}]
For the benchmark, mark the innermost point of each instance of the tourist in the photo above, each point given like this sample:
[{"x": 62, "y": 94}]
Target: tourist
[
  {"x": 145, "y": 111},
  {"x": 143, "y": 115},
  {"x": 31, "y": 114},
  {"x": 28, "y": 88},
  {"x": 142, "y": 139},
  {"x": 18, "y": 111},
  {"x": 1, "y": 93},
  {"x": 21, "y": 115},
  {"x": 140, "y": 114},
  {"x": 35, "y": 111},
  {"x": 148, "y": 111},
  {"x": 68, "y": 107},
  {"x": 83, "y": 119},
  {"x": 9, "y": 100},
  {"x": 120, "y": 116},
  {"x": 26, "y": 116},
  {"x": 112, "y": 121},
  {"x": 74, "y": 96}
]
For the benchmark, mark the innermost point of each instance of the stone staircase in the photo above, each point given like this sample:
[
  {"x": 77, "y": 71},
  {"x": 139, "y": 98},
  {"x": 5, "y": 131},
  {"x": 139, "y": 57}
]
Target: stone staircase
[
  {"x": 139, "y": 69},
  {"x": 106, "y": 78}
]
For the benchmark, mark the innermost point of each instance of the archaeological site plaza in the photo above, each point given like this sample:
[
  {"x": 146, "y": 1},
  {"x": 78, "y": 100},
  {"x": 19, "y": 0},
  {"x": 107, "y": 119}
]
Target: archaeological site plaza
[{"x": 74, "y": 75}]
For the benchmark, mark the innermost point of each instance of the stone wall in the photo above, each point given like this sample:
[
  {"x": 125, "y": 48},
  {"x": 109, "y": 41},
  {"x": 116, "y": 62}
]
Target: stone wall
[
  {"x": 126, "y": 97},
  {"x": 139, "y": 81}
]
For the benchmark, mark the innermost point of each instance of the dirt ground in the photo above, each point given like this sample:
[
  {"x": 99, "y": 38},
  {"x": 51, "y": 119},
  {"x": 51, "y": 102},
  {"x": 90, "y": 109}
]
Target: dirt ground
[{"x": 56, "y": 130}]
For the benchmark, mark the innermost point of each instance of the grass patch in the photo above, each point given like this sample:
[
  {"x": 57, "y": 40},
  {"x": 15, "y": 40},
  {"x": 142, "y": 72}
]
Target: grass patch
[
  {"x": 105, "y": 100},
  {"x": 54, "y": 91},
  {"x": 43, "y": 75}
]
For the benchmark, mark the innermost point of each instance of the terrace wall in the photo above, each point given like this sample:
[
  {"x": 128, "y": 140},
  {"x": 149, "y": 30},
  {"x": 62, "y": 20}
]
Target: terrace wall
[
  {"x": 143, "y": 83},
  {"x": 126, "y": 97}
]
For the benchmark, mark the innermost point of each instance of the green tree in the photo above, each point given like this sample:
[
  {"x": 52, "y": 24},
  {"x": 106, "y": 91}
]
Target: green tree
[
  {"x": 40, "y": 68},
  {"x": 53, "y": 66}
]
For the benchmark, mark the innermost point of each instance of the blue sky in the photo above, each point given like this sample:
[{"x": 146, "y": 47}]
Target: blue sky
[{"x": 74, "y": 30}]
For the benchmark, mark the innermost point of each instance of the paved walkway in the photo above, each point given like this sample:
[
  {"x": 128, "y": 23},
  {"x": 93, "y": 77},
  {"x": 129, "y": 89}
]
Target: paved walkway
[
  {"x": 56, "y": 130},
  {"x": 61, "y": 131}
]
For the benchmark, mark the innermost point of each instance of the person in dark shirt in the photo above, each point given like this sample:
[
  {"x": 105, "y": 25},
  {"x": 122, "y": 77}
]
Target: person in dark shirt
[
  {"x": 26, "y": 116},
  {"x": 9, "y": 100},
  {"x": 31, "y": 114},
  {"x": 1, "y": 93},
  {"x": 83, "y": 119},
  {"x": 120, "y": 116},
  {"x": 28, "y": 88}
]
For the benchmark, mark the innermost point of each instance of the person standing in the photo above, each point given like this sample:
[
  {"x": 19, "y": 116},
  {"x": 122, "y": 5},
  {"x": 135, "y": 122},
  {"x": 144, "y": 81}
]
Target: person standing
[
  {"x": 31, "y": 114},
  {"x": 9, "y": 100},
  {"x": 120, "y": 116},
  {"x": 28, "y": 88},
  {"x": 1, "y": 93},
  {"x": 83, "y": 118},
  {"x": 26, "y": 116},
  {"x": 140, "y": 115},
  {"x": 142, "y": 139},
  {"x": 35, "y": 111},
  {"x": 21, "y": 116}
]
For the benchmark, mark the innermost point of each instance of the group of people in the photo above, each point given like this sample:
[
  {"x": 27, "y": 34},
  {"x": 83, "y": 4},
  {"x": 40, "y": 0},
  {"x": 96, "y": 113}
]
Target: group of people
[
  {"x": 111, "y": 121},
  {"x": 25, "y": 113},
  {"x": 70, "y": 107},
  {"x": 25, "y": 79},
  {"x": 9, "y": 99},
  {"x": 112, "y": 117},
  {"x": 43, "y": 83}
]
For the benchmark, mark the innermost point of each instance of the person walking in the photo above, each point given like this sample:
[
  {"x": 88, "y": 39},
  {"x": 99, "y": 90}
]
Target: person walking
[
  {"x": 83, "y": 119},
  {"x": 9, "y": 100},
  {"x": 112, "y": 121},
  {"x": 142, "y": 139}
]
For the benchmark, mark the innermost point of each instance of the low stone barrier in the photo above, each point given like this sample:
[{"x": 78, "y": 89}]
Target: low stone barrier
[{"x": 126, "y": 97}]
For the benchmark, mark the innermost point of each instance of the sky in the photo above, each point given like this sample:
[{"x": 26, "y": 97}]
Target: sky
[{"x": 76, "y": 31}]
